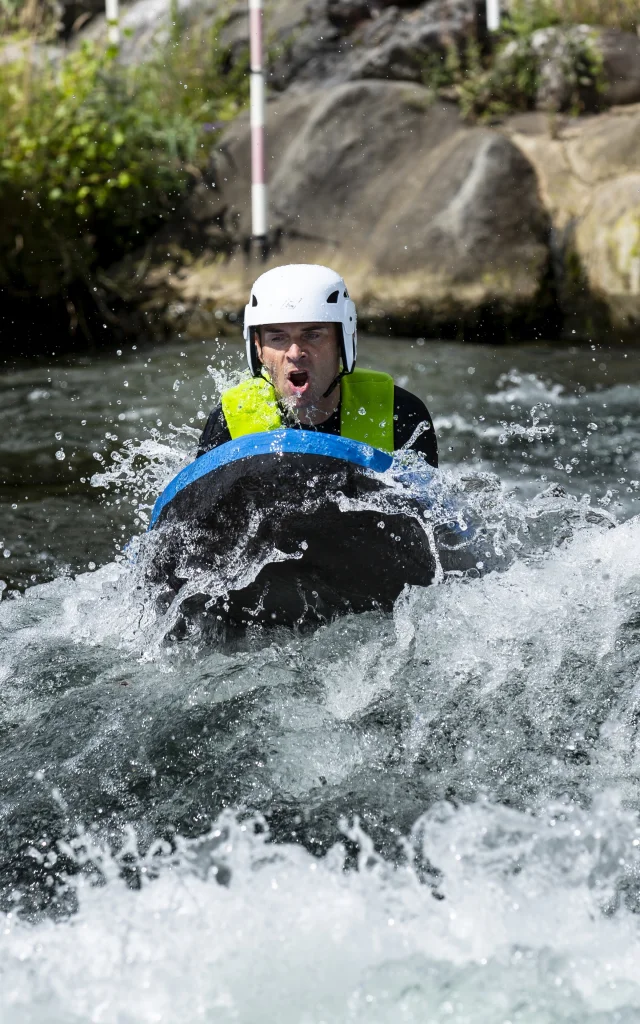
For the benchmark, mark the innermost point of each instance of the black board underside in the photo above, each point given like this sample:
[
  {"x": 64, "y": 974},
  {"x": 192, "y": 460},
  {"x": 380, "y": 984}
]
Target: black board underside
[{"x": 219, "y": 528}]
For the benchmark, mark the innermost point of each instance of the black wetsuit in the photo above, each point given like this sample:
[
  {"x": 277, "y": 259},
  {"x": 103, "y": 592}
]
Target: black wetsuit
[{"x": 408, "y": 412}]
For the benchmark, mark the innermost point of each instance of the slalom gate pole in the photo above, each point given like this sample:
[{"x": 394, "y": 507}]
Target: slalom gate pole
[
  {"x": 493, "y": 15},
  {"x": 113, "y": 17},
  {"x": 259, "y": 225}
]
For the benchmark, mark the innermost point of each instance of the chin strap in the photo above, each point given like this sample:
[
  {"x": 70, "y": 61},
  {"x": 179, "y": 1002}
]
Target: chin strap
[
  {"x": 261, "y": 376},
  {"x": 334, "y": 383}
]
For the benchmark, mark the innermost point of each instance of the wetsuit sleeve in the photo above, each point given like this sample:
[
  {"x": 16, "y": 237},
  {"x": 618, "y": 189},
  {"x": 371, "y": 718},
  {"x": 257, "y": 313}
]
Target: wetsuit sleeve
[
  {"x": 409, "y": 411},
  {"x": 215, "y": 433}
]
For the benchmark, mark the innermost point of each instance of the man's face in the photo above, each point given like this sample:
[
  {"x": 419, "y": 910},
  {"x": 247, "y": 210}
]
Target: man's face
[{"x": 302, "y": 361}]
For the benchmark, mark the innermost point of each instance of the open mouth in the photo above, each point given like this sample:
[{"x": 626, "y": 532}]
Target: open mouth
[{"x": 299, "y": 380}]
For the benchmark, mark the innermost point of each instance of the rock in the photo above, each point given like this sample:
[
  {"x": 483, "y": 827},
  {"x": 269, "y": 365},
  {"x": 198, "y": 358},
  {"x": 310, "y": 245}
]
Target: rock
[
  {"x": 589, "y": 174},
  {"x": 310, "y": 52},
  {"x": 434, "y": 224},
  {"x": 347, "y": 13},
  {"x": 605, "y": 147},
  {"x": 607, "y": 242},
  {"x": 564, "y": 194},
  {"x": 399, "y": 45},
  {"x": 282, "y": 18},
  {"x": 621, "y": 56},
  {"x": 333, "y": 42}
]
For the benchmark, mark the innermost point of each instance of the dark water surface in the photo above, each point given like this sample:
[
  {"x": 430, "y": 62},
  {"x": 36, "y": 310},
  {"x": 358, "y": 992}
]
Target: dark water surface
[{"x": 175, "y": 818}]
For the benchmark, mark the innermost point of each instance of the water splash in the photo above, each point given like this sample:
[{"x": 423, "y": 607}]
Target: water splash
[
  {"x": 517, "y": 931},
  {"x": 450, "y": 792}
]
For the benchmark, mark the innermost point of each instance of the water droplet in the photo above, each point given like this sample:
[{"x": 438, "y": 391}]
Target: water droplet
[
  {"x": 362, "y": 411},
  {"x": 58, "y": 435},
  {"x": 60, "y": 456}
]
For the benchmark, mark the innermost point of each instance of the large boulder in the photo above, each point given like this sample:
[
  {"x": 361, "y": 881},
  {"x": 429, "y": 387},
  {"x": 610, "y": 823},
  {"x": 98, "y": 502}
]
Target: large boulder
[
  {"x": 600, "y": 148},
  {"x": 589, "y": 174},
  {"x": 621, "y": 65},
  {"x": 607, "y": 240},
  {"x": 435, "y": 225},
  {"x": 393, "y": 41},
  {"x": 309, "y": 43},
  {"x": 401, "y": 44}
]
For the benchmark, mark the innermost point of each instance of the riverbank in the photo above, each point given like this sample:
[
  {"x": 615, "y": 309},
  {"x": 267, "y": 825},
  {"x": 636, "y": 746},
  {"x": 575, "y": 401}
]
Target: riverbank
[
  {"x": 529, "y": 229},
  {"x": 465, "y": 187}
]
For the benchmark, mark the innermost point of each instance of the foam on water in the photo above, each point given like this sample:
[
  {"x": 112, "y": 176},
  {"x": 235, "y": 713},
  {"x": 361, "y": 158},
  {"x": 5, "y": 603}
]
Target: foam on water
[
  {"x": 432, "y": 816},
  {"x": 519, "y": 930},
  {"x": 491, "y": 723}
]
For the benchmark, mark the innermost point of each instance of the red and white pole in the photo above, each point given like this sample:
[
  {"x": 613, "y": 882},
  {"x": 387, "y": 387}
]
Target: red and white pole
[{"x": 259, "y": 226}]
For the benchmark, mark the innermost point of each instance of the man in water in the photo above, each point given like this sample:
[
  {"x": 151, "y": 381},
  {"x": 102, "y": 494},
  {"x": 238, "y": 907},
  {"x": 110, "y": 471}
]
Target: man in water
[{"x": 300, "y": 332}]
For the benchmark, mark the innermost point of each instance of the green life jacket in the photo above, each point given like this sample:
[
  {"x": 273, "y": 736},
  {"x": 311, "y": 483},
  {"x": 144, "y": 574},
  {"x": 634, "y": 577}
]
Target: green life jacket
[{"x": 366, "y": 408}]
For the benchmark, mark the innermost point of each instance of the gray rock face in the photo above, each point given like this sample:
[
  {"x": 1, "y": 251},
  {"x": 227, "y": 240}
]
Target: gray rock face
[
  {"x": 621, "y": 56},
  {"x": 392, "y": 41},
  {"x": 334, "y": 41},
  {"x": 350, "y": 12},
  {"x": 589, "y": 175},
  {"x": 427, "y": 219},
  {"x": 399, "y": 44}
]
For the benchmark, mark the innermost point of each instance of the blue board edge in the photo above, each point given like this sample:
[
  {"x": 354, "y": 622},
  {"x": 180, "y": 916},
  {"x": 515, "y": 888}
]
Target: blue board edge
[{"x": 302, "y": 442}]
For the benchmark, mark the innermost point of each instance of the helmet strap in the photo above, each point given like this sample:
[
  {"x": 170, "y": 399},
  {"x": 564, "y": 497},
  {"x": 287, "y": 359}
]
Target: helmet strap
[{"x": 334, "y": 383}]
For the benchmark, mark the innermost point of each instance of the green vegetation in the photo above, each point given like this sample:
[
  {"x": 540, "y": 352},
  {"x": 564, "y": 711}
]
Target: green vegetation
[
  {"x": 94, "y": 154},
  {"x": 513, "y": 75},
  {"x": 37, "y": 17},
  {"x": 529, "y": 15}
]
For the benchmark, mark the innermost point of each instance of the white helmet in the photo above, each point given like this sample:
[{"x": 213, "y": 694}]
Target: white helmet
[{"x": 301, "y": 293}]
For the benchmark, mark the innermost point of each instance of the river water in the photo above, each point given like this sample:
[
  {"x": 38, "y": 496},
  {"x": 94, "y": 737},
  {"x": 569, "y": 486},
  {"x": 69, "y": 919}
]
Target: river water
[{"x": 430, "y": 816}]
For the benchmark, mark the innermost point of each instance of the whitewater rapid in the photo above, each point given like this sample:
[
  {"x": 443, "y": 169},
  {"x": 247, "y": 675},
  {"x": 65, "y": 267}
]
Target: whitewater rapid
[
  {"x": 430, "y": 816},
  {"x": 474, "y": 758}
]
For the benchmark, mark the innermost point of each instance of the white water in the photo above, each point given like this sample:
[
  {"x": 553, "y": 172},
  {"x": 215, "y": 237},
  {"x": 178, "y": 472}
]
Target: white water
[
  {"x": 485, "y": 737},
  {"x": 537, "y": 917}
]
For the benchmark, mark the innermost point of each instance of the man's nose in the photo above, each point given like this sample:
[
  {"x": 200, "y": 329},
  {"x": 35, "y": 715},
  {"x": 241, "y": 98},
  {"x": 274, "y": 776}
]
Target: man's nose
[{"x": 296, "y": 351}]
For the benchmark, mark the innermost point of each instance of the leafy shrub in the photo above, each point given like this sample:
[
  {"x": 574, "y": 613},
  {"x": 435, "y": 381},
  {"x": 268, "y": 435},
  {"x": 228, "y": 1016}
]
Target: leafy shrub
[
  {"x": 553, "y": 69},
  {"x": 41, "y": 17},
  {"x": 525, "y": 16},
  {"x": 536, "y": 62},
  {"x": 94, "y": 154}
]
